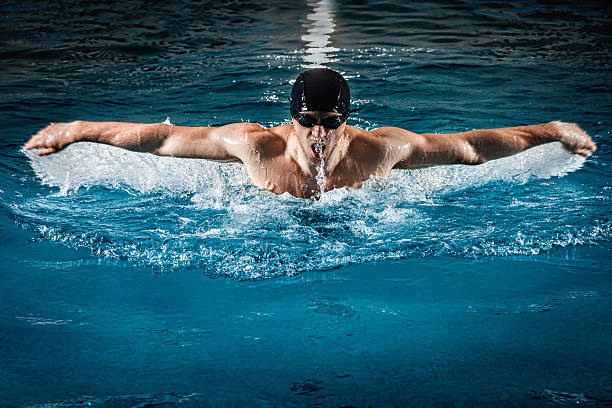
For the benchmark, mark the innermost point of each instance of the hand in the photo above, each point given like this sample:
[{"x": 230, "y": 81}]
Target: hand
[
  {"x": 53, "y": 138},
  {"x": 574, "y": 139}
]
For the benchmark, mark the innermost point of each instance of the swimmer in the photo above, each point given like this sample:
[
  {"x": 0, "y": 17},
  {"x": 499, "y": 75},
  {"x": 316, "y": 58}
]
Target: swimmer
[{"x": 291, "y": 157}]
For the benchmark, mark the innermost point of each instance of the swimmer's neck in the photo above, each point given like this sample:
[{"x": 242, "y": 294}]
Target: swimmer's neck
[{"x": 309, "y": 164}]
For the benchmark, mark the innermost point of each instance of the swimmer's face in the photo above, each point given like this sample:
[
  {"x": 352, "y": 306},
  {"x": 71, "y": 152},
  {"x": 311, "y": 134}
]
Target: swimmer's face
[{"x": 318, "y": 141}]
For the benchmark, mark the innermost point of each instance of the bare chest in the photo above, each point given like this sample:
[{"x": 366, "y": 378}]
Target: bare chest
[{"x": 282, "y": 175}]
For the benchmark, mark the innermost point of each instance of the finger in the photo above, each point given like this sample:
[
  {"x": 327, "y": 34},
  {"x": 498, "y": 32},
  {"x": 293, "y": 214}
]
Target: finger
[
  {"x": 35, "y": 141},
  {"x": 583, "y": 152},
  {"x": 588, "y": 147},
  {"x": 30, "y": 144},
  {"x": 46, "y": 151}
]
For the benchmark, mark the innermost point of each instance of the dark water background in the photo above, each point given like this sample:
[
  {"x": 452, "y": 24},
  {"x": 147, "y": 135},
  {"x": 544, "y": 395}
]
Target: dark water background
[{"x": 130, "y": 280}]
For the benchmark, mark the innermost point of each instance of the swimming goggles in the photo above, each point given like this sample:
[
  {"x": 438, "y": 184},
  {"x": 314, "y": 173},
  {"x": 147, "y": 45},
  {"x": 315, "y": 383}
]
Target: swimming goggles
[{"x": 333, "y": 122}]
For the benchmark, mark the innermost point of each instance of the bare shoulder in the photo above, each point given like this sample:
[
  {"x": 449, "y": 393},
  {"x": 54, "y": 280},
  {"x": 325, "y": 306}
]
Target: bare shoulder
[
  {"x": 278, "y": 132},
  {"x": 390, "y": 145},
  {"x": 366, "y": 145},
  {"x": 270, "y": 141},
  {"x": 385, "y": 137},
  {"x": 244, "y": 139},
  {"x": 395, "y": 135},
  {"x": 252, "y": 133},
  {"x": 239, "y": 131}
]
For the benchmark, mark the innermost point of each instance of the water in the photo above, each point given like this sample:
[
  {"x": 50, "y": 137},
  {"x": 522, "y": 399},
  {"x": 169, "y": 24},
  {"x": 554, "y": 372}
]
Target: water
[{"x": 456, "y": 285}]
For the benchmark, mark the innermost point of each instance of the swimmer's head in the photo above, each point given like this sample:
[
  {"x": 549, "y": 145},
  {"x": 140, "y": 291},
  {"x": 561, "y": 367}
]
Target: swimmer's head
[
  {"x": 320, "y": 101},
  {"x": 321, "y": 90}
]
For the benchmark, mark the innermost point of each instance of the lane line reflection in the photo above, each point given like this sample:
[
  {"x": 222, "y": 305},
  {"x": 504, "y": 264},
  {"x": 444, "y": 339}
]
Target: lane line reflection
[{"x": 319, "y": 26}]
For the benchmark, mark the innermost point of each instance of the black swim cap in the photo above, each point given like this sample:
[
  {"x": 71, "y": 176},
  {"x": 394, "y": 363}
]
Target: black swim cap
[{"x": 320, "y": 89}]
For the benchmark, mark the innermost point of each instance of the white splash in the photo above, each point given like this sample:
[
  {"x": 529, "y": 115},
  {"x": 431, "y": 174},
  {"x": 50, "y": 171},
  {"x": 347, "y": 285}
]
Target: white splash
[
  {"x": 321, "y": 176},
  {"x": 541, "y": 162},
  {"x": 84, "y": 165}
]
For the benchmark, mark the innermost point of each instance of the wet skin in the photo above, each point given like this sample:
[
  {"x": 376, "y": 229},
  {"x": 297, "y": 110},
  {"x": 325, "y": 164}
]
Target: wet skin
[{"x": 305, "y": 161}]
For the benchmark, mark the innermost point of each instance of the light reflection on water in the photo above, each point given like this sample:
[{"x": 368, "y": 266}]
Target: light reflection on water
[{"x": 317, "y": 38}]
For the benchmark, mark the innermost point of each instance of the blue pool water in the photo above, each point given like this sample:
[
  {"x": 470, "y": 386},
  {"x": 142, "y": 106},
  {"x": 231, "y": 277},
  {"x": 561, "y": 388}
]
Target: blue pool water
[{"x": 135, "y": 280}]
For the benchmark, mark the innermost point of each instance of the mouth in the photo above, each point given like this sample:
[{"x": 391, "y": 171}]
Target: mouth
[{"x": 318, "y": 149}]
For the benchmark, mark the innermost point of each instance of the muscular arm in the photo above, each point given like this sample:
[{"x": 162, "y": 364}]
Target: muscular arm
[
  {"x": 226, "y": 143},
  {"x": 481, "y": 145}
]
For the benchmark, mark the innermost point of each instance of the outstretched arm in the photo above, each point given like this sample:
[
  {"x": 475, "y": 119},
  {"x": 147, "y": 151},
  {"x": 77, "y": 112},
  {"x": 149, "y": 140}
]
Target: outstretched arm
[
  {"x": 226, "y": 143},
  {"x": 481, "y": 145}
]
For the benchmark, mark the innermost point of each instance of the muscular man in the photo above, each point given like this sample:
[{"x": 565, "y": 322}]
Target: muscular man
[{"x": 318, "y": 151}]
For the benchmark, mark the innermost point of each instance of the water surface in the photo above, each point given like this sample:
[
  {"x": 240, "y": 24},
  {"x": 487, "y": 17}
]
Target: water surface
[{"x": 455, "y": 285}]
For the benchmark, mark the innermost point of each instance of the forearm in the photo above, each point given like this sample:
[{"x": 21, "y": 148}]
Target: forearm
[
  {"x": 490, "y": 144},
  {"x": 131, "y": 136}
]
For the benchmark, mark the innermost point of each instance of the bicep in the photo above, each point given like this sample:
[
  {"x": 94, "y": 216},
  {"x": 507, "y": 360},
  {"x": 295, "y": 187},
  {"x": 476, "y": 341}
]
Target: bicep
[
  {"x": 224, "y": 143},
  {"x": 412, "y": 150}
]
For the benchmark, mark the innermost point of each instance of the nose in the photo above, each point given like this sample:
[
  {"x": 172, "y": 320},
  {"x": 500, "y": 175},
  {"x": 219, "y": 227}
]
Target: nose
[{"x": 318, "y": 131}]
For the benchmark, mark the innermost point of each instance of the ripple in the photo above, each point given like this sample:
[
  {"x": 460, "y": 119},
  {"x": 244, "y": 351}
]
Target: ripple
[
  {"x": 309, "y": 386},
  {"x": 41, "y": 321},
  {"x": 539, "y": 307},
  {"x": 135, "y": 400},
  {"x": 333, "y": 306},
  {"x": 570, "y": 399}
]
